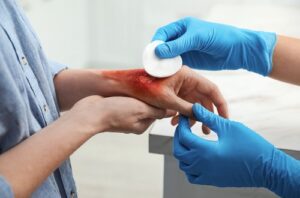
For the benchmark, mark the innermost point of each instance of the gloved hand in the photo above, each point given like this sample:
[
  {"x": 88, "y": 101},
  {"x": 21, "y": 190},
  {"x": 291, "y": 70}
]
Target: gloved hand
[
  {"x": 212, "y": 46},
  {"x": 240, "y": 157}
]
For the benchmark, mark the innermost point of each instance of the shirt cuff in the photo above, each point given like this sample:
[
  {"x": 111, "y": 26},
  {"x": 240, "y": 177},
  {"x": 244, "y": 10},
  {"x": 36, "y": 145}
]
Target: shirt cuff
[
  {"x": 56, "y": 67},
  {"x": 5, "y": 189}
]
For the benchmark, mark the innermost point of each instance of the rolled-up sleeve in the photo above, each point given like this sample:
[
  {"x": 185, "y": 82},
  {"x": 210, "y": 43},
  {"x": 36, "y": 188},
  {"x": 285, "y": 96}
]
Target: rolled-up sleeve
[
  {"x": 56, "y": 67},
  {"x": 5, "y": 189}
]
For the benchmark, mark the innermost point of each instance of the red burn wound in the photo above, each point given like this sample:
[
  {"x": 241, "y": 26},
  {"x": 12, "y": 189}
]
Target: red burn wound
[{"x": 137, "y": 79}]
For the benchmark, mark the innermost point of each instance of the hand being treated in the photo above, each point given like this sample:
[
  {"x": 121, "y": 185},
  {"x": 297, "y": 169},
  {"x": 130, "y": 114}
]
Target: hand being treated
[
  {"x": 116, "y": 114},
  {"x": 213, "y": 46},
  {"x": 177, "y": 92},
  {"x": 240, "y": 157}
]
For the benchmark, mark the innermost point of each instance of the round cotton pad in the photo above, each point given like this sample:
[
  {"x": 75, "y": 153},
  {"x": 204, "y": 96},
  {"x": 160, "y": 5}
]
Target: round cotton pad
[{"x": 157, "y": 67}]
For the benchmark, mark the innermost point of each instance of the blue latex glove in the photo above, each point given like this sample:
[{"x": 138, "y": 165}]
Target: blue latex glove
[
  {"x": 212, "y": 46},
  {"x": 240, "y": 157}
]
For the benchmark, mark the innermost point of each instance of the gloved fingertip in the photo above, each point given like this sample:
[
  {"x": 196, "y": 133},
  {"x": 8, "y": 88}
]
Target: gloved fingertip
[
  {"x": 159, "y": 36},
  {"x": 163, "y": 51},
  {"x": 184, "y": 121},
  {"x": 191, "y": 178},
  {"x": 199, "y": 111},
  {"x": 209, "y": 119},
  {"x": 203, "y": 115}
]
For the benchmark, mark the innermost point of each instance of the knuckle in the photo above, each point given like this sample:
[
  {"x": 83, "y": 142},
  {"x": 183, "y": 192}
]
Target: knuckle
[
  {"x": 189, "y": 18},
  {"x": 237, "y": 124},
  {"x": 214, "y": 89},
  {"x": 161, "y": 114},
  {"x": 160, "y": 30},
  {"x": 141, "y": 107},
  {"x": 176, "y": 154},
  {"x": 182, "y": 166},
  {"x": 240, "y": 125},
  {"x": 190, "y": 179},
  {"x": 142, "y": 110},
  {"x": 140, "y": 131},
  {"x": 137, "y": 128}
]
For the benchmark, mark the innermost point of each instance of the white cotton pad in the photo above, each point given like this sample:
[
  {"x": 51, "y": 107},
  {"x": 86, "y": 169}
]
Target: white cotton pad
[{"x": 157, "y": 67}]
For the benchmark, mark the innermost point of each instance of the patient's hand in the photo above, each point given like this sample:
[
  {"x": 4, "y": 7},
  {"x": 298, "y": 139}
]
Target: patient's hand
[{"x": 177, "y": 92}]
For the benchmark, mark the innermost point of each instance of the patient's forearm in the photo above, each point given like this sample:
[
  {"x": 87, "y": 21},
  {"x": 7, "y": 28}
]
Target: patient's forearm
[
  {"x": 29, "y": 163},
  {"x": 286, "y": 60},
  {"x": 74, "y": 84}
]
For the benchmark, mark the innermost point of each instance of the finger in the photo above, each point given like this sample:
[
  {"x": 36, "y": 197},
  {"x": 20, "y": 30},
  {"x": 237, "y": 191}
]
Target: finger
[
  {"x": 205, "y": 129},
  {"x": 178, "y": 149},
  {"x": 192, "y": 122},
  {"x": 183, "y": 166},
  {"x": 142, "y": 125},
  {"x": 192, "y": 177},
  {"x": 185, "y": 135},
  {"x": 211, "y": 91},
  {"x": 220, "y": 103},
  {"x": 208, "y": 105},
  {"x": 155, "y": 113},
  {"x": 175, "y": 47},
  {"x": 174, "y": 120},
  {"x": 187, "y": 138},
  {"x": 205, "y": 180},
  {"x": 184, "y": 157},
  {"x": 213, "y": 121},
  {"x": 170, "y": 113},
  {"x": 182, "y": 106},
  {"x": 187, "y": 168},
  {"x": 180, "y": 152},
  {"x": 169, "y": 32}
]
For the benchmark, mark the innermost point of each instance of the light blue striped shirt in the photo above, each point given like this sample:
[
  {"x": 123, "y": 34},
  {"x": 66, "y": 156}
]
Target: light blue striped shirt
[{"x": 28, "y": 101}]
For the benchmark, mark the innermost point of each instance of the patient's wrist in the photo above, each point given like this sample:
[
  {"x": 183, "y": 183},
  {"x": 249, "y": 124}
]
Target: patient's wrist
[
  {"x": 112, "y": 84},
  {"x": 133, "y": 83}
]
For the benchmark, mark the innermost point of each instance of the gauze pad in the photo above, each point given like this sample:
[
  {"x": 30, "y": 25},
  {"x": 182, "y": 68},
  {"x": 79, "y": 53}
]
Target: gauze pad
[{"x": 157, "y": 67}]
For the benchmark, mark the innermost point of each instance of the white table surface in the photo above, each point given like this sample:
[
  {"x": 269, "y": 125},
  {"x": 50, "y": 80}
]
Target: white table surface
[{"x": 269, "y": 107}]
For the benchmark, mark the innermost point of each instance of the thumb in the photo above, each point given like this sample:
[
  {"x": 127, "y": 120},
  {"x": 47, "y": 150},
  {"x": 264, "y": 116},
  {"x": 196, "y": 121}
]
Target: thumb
[
  {"x": 180, "y": 105},
  {"x": 175, "y": 47},
  {"x": 213, "y": 121}
]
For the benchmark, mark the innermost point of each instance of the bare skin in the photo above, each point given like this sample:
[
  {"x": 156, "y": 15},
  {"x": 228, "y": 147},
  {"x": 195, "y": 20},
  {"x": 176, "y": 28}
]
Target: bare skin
[
  {"x": 177, "y": 92},
  {"x": 286, "y": 60},
  {"x": 25, "y": 166}
]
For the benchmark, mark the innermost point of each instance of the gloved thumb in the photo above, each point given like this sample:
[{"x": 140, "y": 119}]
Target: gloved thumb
[
  {"x": 213, "y": 121},
  {"x": 173, "y": 48}
]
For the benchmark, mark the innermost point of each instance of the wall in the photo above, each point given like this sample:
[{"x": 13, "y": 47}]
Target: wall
[
  {"x": 113, "y": 33},
  {"x": 121, "y": 28},
  {"x": 62, "y": 27}
]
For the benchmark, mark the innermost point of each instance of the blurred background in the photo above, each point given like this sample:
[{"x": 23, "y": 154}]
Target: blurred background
[{"x": 112, "y": 34}]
